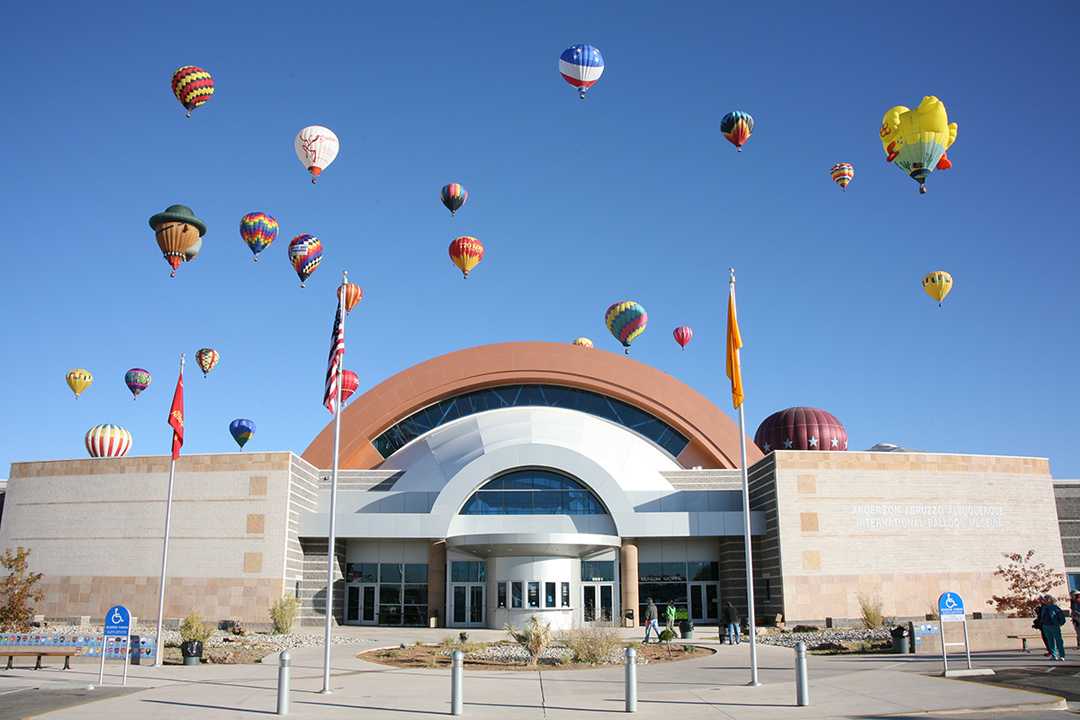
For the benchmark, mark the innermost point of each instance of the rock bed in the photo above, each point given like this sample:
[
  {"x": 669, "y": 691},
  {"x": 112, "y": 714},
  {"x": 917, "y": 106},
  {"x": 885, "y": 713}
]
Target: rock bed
[
  {"x": 825, "y": 637},
  {"x": 222, "y": 639},
  {"x": 515, "y": 654}
]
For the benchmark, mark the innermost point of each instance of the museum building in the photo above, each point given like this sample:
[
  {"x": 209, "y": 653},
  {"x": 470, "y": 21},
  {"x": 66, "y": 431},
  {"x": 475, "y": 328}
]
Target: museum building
[{"x": 496, "y": 483}]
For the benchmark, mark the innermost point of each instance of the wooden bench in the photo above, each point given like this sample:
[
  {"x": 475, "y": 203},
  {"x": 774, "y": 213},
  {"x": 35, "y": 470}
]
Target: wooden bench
[
  {"x": 66, "y": 653},
  {"x": 1023, "y": 640}
]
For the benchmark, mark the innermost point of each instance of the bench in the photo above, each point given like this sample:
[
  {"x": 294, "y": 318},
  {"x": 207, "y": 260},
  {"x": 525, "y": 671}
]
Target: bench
[
  {"x": 1023, "y": 640},
  {"x": 66, "y": 653}
]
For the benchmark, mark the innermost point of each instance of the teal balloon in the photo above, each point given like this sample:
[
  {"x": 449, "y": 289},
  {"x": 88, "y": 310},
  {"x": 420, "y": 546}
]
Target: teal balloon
[{"x": 242, "y": 430}]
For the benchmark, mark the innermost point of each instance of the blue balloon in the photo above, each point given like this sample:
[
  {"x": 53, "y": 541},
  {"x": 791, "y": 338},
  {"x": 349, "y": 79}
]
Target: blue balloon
[{"x": 242, "y": 430}]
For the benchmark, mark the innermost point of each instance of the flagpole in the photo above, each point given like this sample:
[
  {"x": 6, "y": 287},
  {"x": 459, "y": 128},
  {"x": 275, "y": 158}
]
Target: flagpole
[
  {"x": 333, "y": 502},
  {"x": 158, "y": 642},
  {"x": 746, "y": 528}
]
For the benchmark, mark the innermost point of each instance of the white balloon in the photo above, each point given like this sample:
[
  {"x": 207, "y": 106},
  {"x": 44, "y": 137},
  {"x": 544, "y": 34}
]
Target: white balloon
[{"x": 316, "y": 147}]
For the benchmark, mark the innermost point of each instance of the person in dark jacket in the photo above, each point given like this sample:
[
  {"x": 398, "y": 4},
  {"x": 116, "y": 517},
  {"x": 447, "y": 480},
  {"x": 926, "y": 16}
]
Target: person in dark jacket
[
  {"x": 1037, "y": 624},
  {"x": 1074, "y": 613},
  {"x": 731, "y": 620},
  {"x": 650, "y": 621},
  {"x": 1051, "y": 618}
]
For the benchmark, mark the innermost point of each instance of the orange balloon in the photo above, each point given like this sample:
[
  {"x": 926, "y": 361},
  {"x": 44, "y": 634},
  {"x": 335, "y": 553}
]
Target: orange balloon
[
  {"x": 466, "y": 252},
  {"x": 353, "y": 295}
]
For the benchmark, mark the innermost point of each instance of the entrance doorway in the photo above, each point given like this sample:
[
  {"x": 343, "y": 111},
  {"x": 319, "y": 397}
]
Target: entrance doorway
[
  {"x": 360, "y": 605},
  {"x": 597, "y": 602},
  {"x": 704, "y": 601},
  {"x": 467, "y": 601}
]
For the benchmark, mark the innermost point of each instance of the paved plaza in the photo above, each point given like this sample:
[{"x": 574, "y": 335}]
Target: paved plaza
[{"x": 713, "y": 687}]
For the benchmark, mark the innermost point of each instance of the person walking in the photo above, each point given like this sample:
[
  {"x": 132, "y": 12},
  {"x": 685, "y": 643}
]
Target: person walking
[
  {"x": 731, "y": 620},
  {"x": 650, "y": 621},
  {"x": 1038, "y": 625},
  {"x": 1074, "y": 613},
  {"x": 1051, "y": 619},
  {"x": 669, "y": 616}
]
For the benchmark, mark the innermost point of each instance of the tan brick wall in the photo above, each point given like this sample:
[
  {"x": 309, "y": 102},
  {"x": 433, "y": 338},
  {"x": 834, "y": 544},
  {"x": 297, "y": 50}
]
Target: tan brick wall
[{"x": 905, "y": 527}]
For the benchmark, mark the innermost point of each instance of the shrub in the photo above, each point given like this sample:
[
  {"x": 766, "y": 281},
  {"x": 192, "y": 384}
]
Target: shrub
[
  {"x": 1026, "y": 581},
  {"x": 870, "y": 609},
  {"x": 283, "y": 614},
  {"x": 805, "y": 628},
  {"x": 591, "y": 645},
  {"x": 535, "y": 637},
  {"x": 193, "y": 628},
  {"x": 17, "y": 591}
]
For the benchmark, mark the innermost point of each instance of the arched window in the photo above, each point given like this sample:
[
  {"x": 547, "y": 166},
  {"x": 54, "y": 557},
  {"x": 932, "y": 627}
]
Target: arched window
[{"x": 533, "y": 491}]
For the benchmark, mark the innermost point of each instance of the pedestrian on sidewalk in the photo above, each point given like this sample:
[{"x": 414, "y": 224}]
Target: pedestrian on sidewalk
[
  {"x": 1051, "y": 619},
  {"x": 650, "y": 621},
  {"x": 1074, "y": 613},
  {"x": 669, "y": 616},
  {"x": 731, "y": 620},
  {"x": 1038, "y": 625}
]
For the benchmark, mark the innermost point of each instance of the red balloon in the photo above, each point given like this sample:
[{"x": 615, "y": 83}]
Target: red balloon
[
  {"x": 350, "y": 381},
  {"x": 801, "y": 428},
  {"x": 683, "y": 335}
]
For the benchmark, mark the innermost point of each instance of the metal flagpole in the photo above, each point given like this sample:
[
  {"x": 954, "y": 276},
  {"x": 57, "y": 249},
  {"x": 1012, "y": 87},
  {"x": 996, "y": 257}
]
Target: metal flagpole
[
  {"x": 746, "y": 529},
  {"x": 158, "y": 643},
  {"x": 333, "y": 503}
]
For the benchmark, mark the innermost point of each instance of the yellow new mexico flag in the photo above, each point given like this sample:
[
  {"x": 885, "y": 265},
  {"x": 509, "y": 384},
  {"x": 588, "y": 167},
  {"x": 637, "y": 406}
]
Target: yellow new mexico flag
[{"x": 734, "y": 344}]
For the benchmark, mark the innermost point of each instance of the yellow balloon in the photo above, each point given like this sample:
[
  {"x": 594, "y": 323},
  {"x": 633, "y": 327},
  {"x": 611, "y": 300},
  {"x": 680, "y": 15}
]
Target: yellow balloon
[
  {"x": 78, "y": 380},
  {"x": 583, "y": 342},
  {"x": 937, "y": 285},
  {"x": 916, "y": 140}
]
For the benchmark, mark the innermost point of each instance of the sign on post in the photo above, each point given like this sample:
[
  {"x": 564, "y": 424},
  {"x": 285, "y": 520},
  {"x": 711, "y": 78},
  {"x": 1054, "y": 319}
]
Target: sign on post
[
  {"x": 117, "y": 624},
  {"x": 950, "y": 607}
]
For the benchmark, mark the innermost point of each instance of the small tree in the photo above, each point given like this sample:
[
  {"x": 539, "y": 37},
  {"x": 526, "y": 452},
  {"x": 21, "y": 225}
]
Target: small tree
[
  {"x": 1026, "y": 581},
  {"x": 194, "y": 629},
  {"x": 17, "y": 591}
]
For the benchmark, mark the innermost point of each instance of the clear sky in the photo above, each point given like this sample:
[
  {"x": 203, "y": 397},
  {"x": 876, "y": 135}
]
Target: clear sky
[{"x": 632, "y": 194}]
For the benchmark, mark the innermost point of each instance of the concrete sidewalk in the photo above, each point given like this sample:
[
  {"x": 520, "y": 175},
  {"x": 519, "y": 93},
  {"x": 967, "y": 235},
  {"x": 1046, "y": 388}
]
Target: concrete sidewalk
[{"x": 711, "y": 687}]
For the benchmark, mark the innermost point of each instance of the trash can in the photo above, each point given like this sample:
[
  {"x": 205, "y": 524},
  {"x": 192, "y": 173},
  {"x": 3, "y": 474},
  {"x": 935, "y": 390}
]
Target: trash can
[
  {"x": 135, "y": 650},
  {"x": 900, "y": 640}
]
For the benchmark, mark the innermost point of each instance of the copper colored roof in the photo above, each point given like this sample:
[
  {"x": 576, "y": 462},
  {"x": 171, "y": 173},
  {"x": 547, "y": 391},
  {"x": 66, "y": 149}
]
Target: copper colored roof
[{"x": 714, "y": 438}]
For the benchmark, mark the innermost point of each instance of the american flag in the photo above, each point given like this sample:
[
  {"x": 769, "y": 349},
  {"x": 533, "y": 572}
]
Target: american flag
[{"x": 337, "y": 357}]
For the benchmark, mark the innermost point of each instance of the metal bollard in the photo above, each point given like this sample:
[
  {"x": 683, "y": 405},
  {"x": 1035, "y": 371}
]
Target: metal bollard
[
  {"x": 631, "y": 680},
  {"x": 456, "y": 664},
  {"x": 283, "y": 683},
  {"x": 802, "y": 684}
]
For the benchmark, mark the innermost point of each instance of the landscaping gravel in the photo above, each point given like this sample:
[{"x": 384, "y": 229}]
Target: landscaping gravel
[
  {"x": 510, "y": 653},
  {"x": 222, "y": 639},
  {"x": 824, "y": 637}
]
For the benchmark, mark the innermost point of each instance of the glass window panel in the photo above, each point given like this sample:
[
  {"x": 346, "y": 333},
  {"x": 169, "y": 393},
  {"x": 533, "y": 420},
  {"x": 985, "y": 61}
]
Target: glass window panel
[
  {"x": 674, "y": 571},
  {"x": 1074, "y": 581},
  {"x": 501, "y": 595},
  {"x": 459, "y": 604},
  {"x": 704, "y": 571},
  {"x": 534, "y": 594},
  {"x": 515, "y": 594},
  {"x": 416, "y": 572},
  {"x": 605, "y": 603},
  {"x": 530, "y": 395},
  {"x": 549, "y": 594},
  {"x": 415, "y": 615},
  {"x": 650, "y": 572},
  {"x": 473, "y": 506},
  {"x": 390, "y": 573},
  {"x": 547, "y": 481},
  {"x": 389, "y": 614},
  {"x": 459, "y": 571},
  {"x": 389, "y": 594},
  {"x": 352, "y": 604},
  {"x": 517, "y": 503},
  {"x": 498, "y": 483},
  {"x": 481, "y": 571},
  {"x": 566, "y": 594},
  {"x": 598, "y": 570},
  {"x": 476, "y": 604},
  {"x": 416, "y": 594},
  {"x": 549, "y": 502},
  {"x": 521, "y": 480},
  {"x": 589, "y": 603}
]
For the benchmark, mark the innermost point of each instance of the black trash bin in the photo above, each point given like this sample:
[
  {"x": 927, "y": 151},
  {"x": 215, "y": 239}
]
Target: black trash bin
[
  {"x": 900, "y": 640},
  {"x": 135, "y": 650}
]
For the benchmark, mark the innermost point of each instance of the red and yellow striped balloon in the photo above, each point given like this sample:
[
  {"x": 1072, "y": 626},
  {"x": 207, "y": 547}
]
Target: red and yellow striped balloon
[
  {"x": 107, "y": 441},
  {"x": 192, "y": 86},
  {"x": 466, "y": 252},
  {"x": 842, "y": 173}
]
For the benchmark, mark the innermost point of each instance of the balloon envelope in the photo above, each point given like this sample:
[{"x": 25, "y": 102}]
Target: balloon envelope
[
  {"x": 916, "y": 140},
  {"x": 937, "y": 285},
  {"x": 207, "y": 358},
  {"x": 466, "y": 252},
  {"x": 258, "y": 230},
  {"x": 454, "y": 196},
  {"x": 350, "y": 382},
  {"x": 316, "y": 147},
  {"x": 242, "y": 429},
  {"x": 192, "y": 86},
  {"x": 583, "y": 342},
  {"x": 801, "y": 428},
  {"x": 581, "y": 65},
  {"x": 737, "y": 127},
  {"x": 842, "y": 173},
  {"x": 626, "y": 321},
  {"x": 137, "y": 380},
  {"x": 107, "y": 441},
  {"x": 353, "y": 295},
  {"x": 78, "y": 380},
  {"x": 683, "y": 334},
  {"x": 305, "y": 254}
]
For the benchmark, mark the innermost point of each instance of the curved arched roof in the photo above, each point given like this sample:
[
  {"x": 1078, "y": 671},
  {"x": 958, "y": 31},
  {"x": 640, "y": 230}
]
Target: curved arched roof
[{"x": 714, "y": 438}]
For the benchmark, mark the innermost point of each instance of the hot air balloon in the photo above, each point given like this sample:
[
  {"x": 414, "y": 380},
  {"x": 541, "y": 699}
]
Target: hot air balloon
[
  {"x": 258, "y": 230},
  {"x": 916, "y": 140},
  {"x": 683, "y": 335},
  {"x": 842, "y": 173},
  {"x": 316, "y": 147},
  {"x": 737, "y": 126},
  {"x": 350, "y": 382},
  {"x": 581, "y": 66},
  {"x": 178, "y": 233},
  {"x": 801, "y": 428},
  {"x": 192, "y": 86},
  {"x": 78, "y": 380},
  {"x": 193, "y": 252},
  {"x": 583, "y": 342},
  {"x": 454, "y": 196},
  {"x": 107, "y": 441},
  {"x": 466, "y": 252},
  {"x": 353, "y": 295},
  {"x": 241, "y": 430},
  {"x": 305, "y": 254},
  {"x": 207, "y": 358},
  {"x": 937, "y": 285},
  {"x": 626, "y": 320},
  {"x": 137, "y": 380}
]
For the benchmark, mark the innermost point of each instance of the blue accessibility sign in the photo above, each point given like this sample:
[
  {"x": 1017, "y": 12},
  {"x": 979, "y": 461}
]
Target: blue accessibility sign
[
  {"x": 117, "y": 622},
  {"x": 950, "y": 607}
]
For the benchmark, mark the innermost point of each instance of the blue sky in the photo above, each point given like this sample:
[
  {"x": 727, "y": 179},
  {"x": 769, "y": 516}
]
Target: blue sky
[{"x": 632, "y": 194}]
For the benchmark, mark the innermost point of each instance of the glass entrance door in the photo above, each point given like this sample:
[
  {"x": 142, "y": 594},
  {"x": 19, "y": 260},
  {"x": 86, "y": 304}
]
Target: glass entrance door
[
  {"x": 597, "y": 602},
  {"x": 704, "y": 601},
  {"x": 468, "y": 604},
  {"x": 360, "y": 604}
]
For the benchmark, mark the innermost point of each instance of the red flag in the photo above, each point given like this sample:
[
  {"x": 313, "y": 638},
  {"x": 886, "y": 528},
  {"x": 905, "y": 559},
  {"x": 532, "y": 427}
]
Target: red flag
[
  {"x": 337, "y": 356},
  {"x": 176, "y": 416}
]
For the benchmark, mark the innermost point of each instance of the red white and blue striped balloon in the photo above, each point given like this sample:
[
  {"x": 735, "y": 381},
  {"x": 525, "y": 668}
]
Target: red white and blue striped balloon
[
  {"x": 108, "y": 441},
  {"x": 581, "y": 66}
]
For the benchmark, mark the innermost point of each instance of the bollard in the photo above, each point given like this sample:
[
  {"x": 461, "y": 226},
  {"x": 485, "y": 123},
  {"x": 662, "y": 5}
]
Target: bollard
[
  {"x": 456, "y": 663},
  {"x": 631, "y": 680},
  {"x": 802, "y": 685},
  {"x": 283, "y": 683}
]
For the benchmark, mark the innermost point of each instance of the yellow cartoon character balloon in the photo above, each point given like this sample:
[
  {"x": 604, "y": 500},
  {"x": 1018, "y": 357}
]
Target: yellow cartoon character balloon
[
  {"x": 916, "y": 140},
  {"x": 937, "y": 285},
  {"x": 78, "y": 380}
]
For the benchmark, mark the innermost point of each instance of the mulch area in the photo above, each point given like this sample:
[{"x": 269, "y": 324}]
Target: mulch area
[{"x": 431, "y": 656}]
